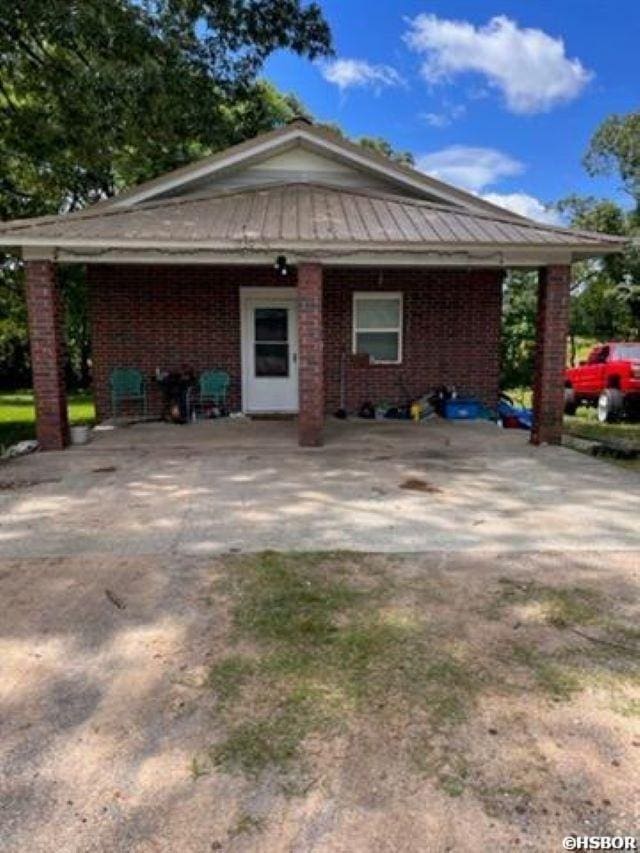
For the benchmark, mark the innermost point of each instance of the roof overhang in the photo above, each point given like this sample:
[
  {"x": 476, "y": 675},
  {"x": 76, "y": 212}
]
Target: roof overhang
[
  {"x": 346, "y": 255},
  {"x": 301, "y": 220}
]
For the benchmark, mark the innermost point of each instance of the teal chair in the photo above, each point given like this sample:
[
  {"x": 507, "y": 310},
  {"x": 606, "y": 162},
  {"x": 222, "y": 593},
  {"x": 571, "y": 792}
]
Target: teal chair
[
  {"x": 212, "y": 390},
  {"x": 127, "y": 385}
]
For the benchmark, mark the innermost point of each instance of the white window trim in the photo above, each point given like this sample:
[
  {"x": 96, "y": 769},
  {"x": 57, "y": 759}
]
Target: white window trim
[{"x": 387, "y": 294}]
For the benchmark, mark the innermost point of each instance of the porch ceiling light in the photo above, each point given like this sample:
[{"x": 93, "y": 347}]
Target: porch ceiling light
[{"x": 281, "y": 265}]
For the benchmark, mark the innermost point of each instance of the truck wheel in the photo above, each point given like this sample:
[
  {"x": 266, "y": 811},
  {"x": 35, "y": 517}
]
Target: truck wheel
[
  {"x": 570, "y": 402},
  {"x": 610, "y": 405}
]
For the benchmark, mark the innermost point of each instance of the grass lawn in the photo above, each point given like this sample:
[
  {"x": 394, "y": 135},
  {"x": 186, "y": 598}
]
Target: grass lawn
[
  {"x": 17, "y": 415},
  {"x": 415, "y": 680},
  {"x": 585, "y": 425}
]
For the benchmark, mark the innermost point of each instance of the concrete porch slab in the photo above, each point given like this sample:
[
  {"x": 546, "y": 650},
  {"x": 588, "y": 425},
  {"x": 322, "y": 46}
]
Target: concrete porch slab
[{"x": 223, "y": 485}]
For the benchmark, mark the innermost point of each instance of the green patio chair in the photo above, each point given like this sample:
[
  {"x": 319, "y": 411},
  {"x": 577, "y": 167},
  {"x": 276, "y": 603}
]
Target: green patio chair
[
  {"x": 212, "y": 389},
  {"x": 127, "y": 384}
]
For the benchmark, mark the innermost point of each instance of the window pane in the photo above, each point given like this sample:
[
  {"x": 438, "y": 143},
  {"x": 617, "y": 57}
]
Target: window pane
[
  {"x": 377, "y": 313},
  {"x": 271, "y": 324},
  {"x": 381, "y": 346},
  {"x": 272, "y": 359}
]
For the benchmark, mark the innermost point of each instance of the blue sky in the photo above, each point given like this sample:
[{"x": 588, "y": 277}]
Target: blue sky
[{"x": 499, "y": 97}]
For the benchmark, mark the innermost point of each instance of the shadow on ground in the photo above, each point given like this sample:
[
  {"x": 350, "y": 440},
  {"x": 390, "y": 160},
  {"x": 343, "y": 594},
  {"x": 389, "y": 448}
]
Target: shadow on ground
[
  {"x": 507, "y": 727},
  {"x": 215, "y": 487}
]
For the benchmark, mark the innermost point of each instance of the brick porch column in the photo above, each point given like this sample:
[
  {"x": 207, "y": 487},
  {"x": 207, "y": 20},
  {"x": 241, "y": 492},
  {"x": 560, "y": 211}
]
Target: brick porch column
[
  {"x": 551, "y": 354},
  {"x": 310, "y": 355},
  {"x": 46, "y": 332}
]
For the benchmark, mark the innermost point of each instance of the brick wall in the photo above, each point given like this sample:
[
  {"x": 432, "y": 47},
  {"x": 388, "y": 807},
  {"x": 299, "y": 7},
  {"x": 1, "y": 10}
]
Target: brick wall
[
  {"x": 310, "y": 359},
  {"x": 552, "y": 329},
  {"x": 451, "y": 334},
  {"x": 46, "y": 335},
  {"x": 168, "y": 316}
]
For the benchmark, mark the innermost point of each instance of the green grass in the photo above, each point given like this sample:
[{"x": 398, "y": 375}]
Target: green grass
[
  {"x": 559, "y": 681},
  {"x": 559, "y": 606},
  {"x": 326, "y": 651},
  {"x": 586, "y": 425},
  {"x": 228, "y": 676},
  {"x": 17, "y": 415},
  {"x": 609, "y": 659},
  {"x": 324, "y": 647}
]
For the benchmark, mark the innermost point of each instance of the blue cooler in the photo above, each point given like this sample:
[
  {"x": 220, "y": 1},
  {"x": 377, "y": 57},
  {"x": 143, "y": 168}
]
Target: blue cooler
[{"x": 462, "y": 409}]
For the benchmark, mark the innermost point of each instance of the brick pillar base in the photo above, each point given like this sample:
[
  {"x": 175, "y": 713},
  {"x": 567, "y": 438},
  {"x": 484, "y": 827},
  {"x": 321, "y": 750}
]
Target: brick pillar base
[
  {"x": 551, "y": 354},
  {"x": 46, "y": 332},
  {"x": 310, "y": 355}
]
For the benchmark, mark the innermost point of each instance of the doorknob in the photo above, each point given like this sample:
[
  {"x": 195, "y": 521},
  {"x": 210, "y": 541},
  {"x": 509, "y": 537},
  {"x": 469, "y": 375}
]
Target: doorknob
[{"x": 294, "y": 356}]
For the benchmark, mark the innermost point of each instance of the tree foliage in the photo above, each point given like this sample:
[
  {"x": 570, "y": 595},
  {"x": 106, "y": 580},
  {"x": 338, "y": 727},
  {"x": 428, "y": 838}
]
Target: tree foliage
[
  {"x": 615, "y": 150},
  {"x": 520, "y": 295},
  {"x": 381, "y": 146},
  {"x": 605, "y": 294},
  {"x": 606, "y": 302},
  {"x": 97, "y": 95}
]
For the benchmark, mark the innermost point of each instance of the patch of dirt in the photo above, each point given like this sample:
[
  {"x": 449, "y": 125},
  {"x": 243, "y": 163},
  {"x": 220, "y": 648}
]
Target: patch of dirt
[
  {"x": 453, "y": 705},
  {"x": 17, "y": 485},
  {"x": 414, "y": 484}
]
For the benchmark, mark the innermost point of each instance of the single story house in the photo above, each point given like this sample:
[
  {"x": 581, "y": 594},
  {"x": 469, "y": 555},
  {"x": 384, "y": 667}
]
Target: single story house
[{"x": 300, "y": 263}]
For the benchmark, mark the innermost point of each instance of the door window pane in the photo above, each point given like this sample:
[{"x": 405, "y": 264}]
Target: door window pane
[
  {"x": 272, "y": 359},
  {"x": 271, "y": 324},
  {"x": 380, "y": 346}
]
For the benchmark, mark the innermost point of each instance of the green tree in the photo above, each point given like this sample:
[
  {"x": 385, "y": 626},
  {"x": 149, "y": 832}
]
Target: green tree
[
  {"x": 614, "y": 149},
  {"x": 97, "y": 95},
  {"x": 606, "y": 302},
  {"x": 14, "y": 338},
  {"x": 519, "y": 305},
  {"x": 381, "y": 146}
]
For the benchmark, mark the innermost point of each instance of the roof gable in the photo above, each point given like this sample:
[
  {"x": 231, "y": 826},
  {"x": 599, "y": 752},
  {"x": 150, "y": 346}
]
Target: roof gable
[
  {"x": 301, "y": 152},
  {"x": 293, "y": 164}
]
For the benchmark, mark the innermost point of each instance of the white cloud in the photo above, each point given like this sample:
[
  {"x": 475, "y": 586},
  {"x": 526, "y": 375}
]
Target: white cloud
[
  {"x": 468, "y": 167},
  {"x": 525, "y": 205},
  {"x": 448, "y": 114},
  {"x": 349, "y": 73},
  {"x": 528, "y": 66}
]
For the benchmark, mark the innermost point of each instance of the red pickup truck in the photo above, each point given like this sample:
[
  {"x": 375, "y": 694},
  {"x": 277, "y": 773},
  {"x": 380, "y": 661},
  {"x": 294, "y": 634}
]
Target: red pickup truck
[{"x": 609, "y": 379}]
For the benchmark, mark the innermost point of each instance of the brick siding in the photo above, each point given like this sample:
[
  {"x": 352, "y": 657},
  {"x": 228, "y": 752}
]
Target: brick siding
[
  {"x": 310, "y": 358},
  {"x": 169, "y": 316},
  {"x": 451, "y": 334},
  {"x": 551, "y": 354},
  {"x": 46, "y": 335}
]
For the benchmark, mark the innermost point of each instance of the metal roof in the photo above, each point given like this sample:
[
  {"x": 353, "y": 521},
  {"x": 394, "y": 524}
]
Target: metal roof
[{"x": 297, "y": 216}]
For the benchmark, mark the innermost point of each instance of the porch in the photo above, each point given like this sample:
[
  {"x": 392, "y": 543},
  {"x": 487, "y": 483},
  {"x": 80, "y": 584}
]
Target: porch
[
  {"x": 225, "y": 485},
  {"x": 442, "y": 328}
]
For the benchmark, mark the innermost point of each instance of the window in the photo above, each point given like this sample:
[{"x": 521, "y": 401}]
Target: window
[
  {"x": 377, "y": 326},
  {"x": 598, "y": 356}
]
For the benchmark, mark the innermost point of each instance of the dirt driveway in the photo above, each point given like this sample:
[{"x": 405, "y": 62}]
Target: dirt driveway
[
  {"x": 166, "y": 685},
  {"x": 335, "y": 702}
]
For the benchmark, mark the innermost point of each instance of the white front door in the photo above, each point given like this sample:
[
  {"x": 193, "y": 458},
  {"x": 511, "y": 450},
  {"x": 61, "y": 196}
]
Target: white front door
[{"x": 269, "y": 350}]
